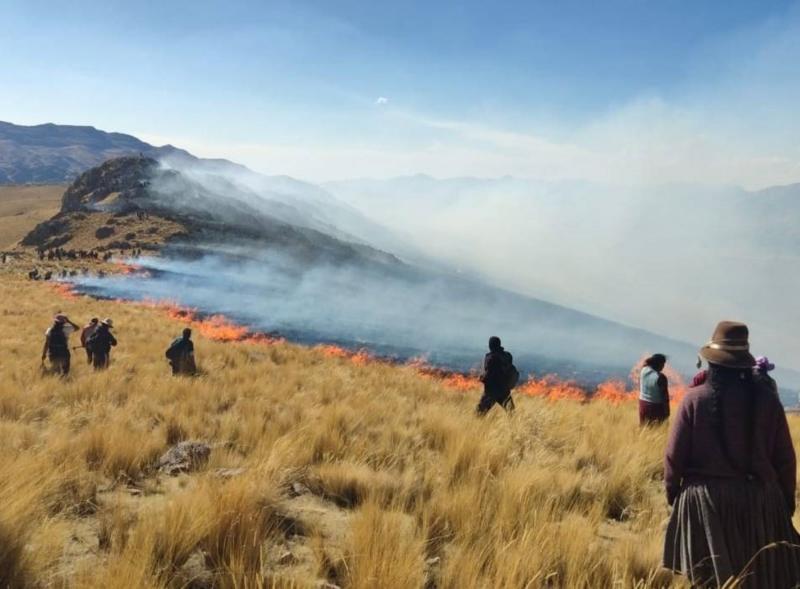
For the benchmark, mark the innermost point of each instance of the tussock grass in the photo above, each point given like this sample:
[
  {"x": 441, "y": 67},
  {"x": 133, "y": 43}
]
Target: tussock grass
[{"x": 366, "y": 476}]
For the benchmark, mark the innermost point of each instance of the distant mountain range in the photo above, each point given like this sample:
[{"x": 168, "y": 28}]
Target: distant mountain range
[{"x": 57, "y": 154}]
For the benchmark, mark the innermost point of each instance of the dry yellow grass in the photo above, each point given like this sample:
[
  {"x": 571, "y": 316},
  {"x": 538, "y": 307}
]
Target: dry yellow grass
[
  {"x": 362, "y": 476},
  {"x": 22, "y": 207}
]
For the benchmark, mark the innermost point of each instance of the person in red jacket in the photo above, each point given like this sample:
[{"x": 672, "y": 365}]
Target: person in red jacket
[
  {"x": 87, "y": 332},
  {"x": 730, "y": 472}
]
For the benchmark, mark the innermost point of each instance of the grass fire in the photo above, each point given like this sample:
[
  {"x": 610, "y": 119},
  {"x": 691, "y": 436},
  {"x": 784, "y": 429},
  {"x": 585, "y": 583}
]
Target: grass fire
[{"x": 326, "y": 466}]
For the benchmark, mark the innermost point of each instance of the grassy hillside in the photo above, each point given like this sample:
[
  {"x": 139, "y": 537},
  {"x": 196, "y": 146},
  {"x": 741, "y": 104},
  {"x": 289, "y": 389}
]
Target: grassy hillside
[
  {"x": 351, "y": 472},
  {"x": 22, "y": 207}
]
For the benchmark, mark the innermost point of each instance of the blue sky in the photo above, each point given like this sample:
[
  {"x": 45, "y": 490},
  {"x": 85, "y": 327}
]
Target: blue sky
[{"x": 616, "y": 91}]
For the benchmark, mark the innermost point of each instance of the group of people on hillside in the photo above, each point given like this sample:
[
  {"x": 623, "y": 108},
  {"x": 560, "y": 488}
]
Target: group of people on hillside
[
  {"x": 729, "y": 468},
  {"x": 97, "y": 339}
]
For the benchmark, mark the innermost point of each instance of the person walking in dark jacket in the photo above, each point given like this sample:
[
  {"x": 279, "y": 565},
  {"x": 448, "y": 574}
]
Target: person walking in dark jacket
[
  {"x": 181, "y": 355},
  {"x": 56, "y": 344},
  {"x": 497, "y": 365},
  {"x": 101, "y": 342},
  {"x": 730, "y": 472}
]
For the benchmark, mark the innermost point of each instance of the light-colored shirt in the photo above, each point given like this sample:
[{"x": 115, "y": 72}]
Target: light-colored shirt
[
  {"x": 68, "y": 330},
  {"x": 649, "y": 388}
]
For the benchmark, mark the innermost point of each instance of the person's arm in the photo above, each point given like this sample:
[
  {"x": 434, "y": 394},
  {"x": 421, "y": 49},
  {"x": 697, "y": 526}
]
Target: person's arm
[
  {"x": 664, "y": 386},
  {"x": 112, "y": 340},
  {"x": 678, "y": 451},
  {"x": 783, "y": 458},
  {"x": 485, "y": 369},
  {"x": 46, "y": 346}
]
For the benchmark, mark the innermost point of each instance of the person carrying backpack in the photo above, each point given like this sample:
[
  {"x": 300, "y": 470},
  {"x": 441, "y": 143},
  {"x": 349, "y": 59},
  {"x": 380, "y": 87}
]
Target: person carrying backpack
[
  {"x": 86, "y": 333},
  {"x": 56, "y": 344},
  {"x": 181, "y": 355},
  {"x": 499, "y": 376},
  {"x": 100, "y": 344}
]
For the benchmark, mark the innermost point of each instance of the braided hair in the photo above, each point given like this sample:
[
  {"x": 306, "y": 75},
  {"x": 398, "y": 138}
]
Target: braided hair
[{"x": 720, "y": 379}]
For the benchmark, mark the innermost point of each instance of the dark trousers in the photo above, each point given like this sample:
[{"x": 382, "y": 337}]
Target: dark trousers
[
  {"x": 183, "y": 366},
  {"x": 60, "y": 363},
  {"x": 653, "y": 413},
  {"x": 100, "y": 360},
  {"x": 488, "y": 400}
]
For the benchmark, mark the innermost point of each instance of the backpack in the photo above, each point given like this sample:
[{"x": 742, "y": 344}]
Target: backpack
[
  {"x": 511, "y": 372},
  {"x": 175, "y": 350},
  {"x": 99, "y": 342},
  {"x": 91, "y": 342}
]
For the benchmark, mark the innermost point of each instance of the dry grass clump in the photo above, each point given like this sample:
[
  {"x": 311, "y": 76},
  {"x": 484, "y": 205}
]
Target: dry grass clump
[{"x": 321, "y": 469}]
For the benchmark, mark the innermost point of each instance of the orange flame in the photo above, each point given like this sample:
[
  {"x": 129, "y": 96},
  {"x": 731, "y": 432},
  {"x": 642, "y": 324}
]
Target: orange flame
[
  {"x": 65, "y": 290},
  {"x": 551, "y": 387},
  {"x": 214, "y": 327}
]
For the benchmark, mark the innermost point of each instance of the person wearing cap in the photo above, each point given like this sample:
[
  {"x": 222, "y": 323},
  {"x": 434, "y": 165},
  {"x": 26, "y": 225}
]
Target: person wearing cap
[
  {"x": 653, "y": 391},
  {"x": 56, "y": 344},
  {"x": 730, "y": 472},
  {"x": 101, "y": 343},
  {"x": 86, "y": 333}
]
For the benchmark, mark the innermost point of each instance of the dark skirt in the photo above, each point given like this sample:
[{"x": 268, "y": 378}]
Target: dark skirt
[
  {"x": 718, "y": 527},
  {"x": 652, "y": 413}
]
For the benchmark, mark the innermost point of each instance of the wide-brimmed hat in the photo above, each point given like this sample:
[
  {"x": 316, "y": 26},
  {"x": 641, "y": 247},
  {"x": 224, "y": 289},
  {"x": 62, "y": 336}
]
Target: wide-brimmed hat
[
  {"x": 60, "y": 318},
  {"x": 108, "y": 322},
  {"x": 729, "y": 346}
]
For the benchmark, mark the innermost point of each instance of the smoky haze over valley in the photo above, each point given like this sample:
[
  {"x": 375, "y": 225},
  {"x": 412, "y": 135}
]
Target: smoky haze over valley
[
  {"x": 320, "y": 283},
  {"x": 674, "y": 259},
  {"x": 671, "y": 259},
  {"x": 451, "y": 285}
]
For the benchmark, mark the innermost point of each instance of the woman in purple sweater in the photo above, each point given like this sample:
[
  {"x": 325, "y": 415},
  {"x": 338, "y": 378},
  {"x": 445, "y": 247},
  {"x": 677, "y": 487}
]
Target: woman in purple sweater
[{"x": 730, "y": 473}]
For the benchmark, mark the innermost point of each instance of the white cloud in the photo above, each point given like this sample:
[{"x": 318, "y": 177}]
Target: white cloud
[{"x": 737, "y": 126}]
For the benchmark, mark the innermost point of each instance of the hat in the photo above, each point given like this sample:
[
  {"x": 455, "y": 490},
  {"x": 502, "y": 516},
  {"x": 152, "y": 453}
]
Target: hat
[
  {"x": 108, "y": 322},
  {"x": 763, "y": 364},
  {"x": 729, "y": 346},
  {"x": 60, "y": 318}
]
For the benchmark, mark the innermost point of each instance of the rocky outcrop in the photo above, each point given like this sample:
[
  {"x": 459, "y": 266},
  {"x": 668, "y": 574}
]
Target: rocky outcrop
[
  {"x": 126, "y": 178},
  {"x": 184, "y": 457}
]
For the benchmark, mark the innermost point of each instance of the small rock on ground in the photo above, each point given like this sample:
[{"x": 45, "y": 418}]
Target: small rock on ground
[{"x": 184, "y": 457}]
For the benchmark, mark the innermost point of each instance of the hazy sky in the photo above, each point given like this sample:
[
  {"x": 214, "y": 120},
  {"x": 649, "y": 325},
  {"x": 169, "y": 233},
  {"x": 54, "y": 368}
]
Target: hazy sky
[{"x": 620, "y": 91}]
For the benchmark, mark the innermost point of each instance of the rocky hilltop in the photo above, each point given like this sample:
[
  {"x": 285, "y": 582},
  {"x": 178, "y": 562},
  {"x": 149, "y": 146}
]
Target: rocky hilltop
[{"x": 138, "y": 202}]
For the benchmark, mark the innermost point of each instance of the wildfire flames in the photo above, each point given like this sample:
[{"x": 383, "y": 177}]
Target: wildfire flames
[
  {"x": 214, "y": 327},
  {"x": 551, "y": 387},
  {"x": 65, "y": 290}
]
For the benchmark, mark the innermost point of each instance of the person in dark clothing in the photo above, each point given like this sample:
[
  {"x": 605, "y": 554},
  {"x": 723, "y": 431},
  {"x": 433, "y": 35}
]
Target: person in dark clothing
[
  {"x": 730, "y": 474},
  {"x": 56, "y": 344},
  {"x": 181, "y": 355},
  {"x": 101, "y": 342},
  {"x": 495, "y": 378}
]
